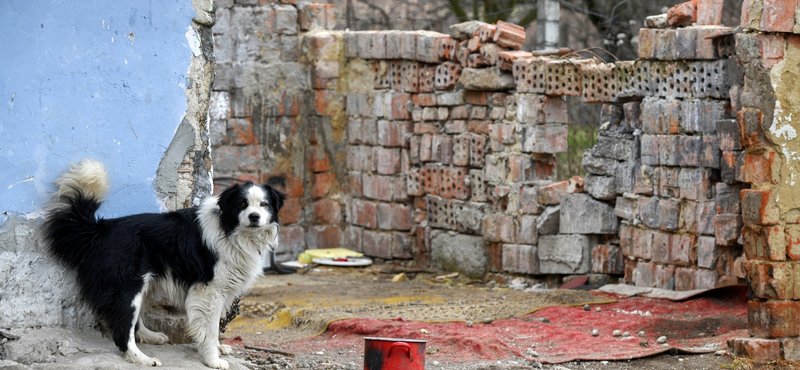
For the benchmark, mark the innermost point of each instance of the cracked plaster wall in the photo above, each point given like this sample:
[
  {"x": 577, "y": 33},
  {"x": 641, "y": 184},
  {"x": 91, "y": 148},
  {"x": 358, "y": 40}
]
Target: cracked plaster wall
[{"x": 127, "y": 84}]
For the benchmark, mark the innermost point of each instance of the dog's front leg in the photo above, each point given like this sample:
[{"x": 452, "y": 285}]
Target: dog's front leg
[{"x": 203, "y": 306}]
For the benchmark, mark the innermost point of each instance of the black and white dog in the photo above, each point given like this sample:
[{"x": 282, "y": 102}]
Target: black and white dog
[{"x": 202, "y": 257}]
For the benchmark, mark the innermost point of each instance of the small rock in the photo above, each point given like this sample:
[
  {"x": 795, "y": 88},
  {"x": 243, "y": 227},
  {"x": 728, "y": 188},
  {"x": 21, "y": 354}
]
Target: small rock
[
  {"x": 424, "y": 331},
  {"x": 720, "y": 352},
  {"x": 595, "y": 332},
  {"x": 431, "y": 351},
  {"x": 656, "y": 21},
  {"x": 626, "y": 334},
  {"x": 641, "y": 334},
  {"x": 597, "y": 309},
  {"x": 617, "y": 333},
  {"x": 435, "y": 363},
  {"x": 469, "y": 324},
  {"x": 662, "y": 339},
  {"x": 400, "y": 277},
  {"x": 644, "y": 343},
  {"x": 586, "y": 307},
  {"x": 487, "y": 321}
]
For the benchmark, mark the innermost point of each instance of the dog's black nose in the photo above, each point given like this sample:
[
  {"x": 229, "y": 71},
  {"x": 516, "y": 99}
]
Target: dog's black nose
[{"x": 254, "y": 217}]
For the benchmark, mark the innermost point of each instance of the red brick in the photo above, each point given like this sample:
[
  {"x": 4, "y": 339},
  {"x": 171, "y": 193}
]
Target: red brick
[
  {"x": 318, "y": 161},
  {"x": 323, "y": 182},
  {"x": 477, "y": 150},
  {"x": 645, "y": 274},
  {"x": 424, "y": 100},
  {"x": 327, "y": 211},
  {"x": 494, "y": 252},
  {"x": 764, "y": 243},
  {"x": 529, "y": 200},
  {"x": 353, "y": 237},
  {"x": 683, "y": 250},
  {"x": 394, "y": 216},
  {"x": 387, "y": 160},
  {"x": 453, "y": 183},
  {"x": 773, "y": 319},
  {"x": 325, "y": 75},
  {"x": 626, "y": 239},
  {"x": 772, "y": 47},
  {"x": 499, "y": 227},
  {"x": 685, "y": 278},
  {"x": 759, "y": 208},
  {"x": 432, "y": 179},
  {"x": 759, "y": 168},
  {"x": 509, "y": 35},
  {"x": 240, "y": 132},
  {"x": 727, "y": 228},
  {"x": 378, "y": 187},
  {"x": 478, "y": 126},
  {"x": 324, "y": 103},
  {"x": 709, "y": 12},
  {"x": 770, "y": 280},
  {"x": 324, "y": 237},
  {"x": 551, "y": 194},
  {"x": 683, "y": 14},
  {"x": 607, "y": 259},
  {"x": 760, "y": 351},
  {"x": 778, "y": 15},
  {"x": 291, "y": 211},
  {"x": 642, "y": 243},
  {"x": 377, "y": 244},
  {"x": 364, "y": 213},
  {"x": 751, "y": 129},
  {"x": 793, "y": 242},
  {"x": 664, "y": 277},
  {"x": 399, "y": 110},
  {"x": 661, "y": 247}
]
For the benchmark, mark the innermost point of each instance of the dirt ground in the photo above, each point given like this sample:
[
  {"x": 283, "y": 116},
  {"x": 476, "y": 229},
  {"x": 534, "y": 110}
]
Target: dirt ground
[{"x": 315, "y": 353}]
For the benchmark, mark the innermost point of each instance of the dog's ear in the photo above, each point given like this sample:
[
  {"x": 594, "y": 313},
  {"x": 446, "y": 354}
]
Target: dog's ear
[
  {"x": 276, "y": 198},
  {"x": 225, "y": 198}
]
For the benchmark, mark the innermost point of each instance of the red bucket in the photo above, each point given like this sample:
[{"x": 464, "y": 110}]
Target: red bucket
[{"x": 394, "y": 354}]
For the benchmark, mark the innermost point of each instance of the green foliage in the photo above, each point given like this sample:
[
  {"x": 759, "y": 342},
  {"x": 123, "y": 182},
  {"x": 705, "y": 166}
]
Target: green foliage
[{"x": 579, "y": 140}]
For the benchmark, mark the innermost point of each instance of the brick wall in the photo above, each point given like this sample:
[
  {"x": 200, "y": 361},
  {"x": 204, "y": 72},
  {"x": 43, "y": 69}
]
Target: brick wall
[{"x": 401, "y": 143}]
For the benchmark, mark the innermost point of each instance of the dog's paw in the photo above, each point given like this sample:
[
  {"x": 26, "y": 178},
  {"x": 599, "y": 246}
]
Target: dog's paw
[
  {"x": 217, "y": 364},
  {"x": 225, "y": 349},
  {"x": 151, "y": 337},
  {"x": 140, "y": 359}
]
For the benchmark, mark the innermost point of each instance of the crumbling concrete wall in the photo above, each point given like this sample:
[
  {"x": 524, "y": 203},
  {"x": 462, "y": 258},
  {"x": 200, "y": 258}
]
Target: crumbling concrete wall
[
  {"x": 768, "y": 50},
  {"x": 124, "y": 84}
]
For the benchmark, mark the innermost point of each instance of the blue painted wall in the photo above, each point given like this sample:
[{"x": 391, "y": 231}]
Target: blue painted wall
[{"x": 90, "y": 78}]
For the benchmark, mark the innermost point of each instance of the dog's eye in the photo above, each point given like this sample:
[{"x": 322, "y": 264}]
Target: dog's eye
[
  {"x": 263, "y": 204},
  {"x": 243, "y": 204}
]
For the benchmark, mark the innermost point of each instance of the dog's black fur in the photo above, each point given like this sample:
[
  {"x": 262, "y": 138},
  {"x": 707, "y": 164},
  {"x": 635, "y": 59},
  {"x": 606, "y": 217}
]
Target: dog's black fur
[{"x": 204, "y": 256}]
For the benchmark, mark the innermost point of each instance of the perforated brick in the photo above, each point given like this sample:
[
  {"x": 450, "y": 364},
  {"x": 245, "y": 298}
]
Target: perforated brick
[
  {"x": 509, "y": 35},
  {"x": 446, "y": 75},
  {"x": 475, "y": 60},
  {"x": 625, "y": 75},
  {"x": 477, "y": 150},
  {"x": 461, "y": 150},
  {"x": 486, "y": 32},
  {"x": 382, "y": 73},
  {"x": 414, "y": 182},
  {"x": 563, "y": 77},
  {"x": 477, "y": 186},
  {"x": 506, "y": 59},
  {"x": 711, "y": 79},
  {"x": 426, "y": 78},
  {"x": 598, "y": 83},
  {"x": 432, "y": 178}
]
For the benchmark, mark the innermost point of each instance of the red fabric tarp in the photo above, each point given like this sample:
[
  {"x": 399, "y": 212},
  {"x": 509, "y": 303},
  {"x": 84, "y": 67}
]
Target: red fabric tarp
[{"x": 701, "y": 324}]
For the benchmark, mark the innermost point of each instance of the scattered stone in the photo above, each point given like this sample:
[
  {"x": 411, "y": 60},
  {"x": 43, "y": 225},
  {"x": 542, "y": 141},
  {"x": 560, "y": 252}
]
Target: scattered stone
[
  {"x": 431, "y": 351},
  {"x": 656, "y": 21},
  {"x": 617, "y": 333},
  {"x": 641, "y": 334},
  {"x": 644, "y": 343},
  {"x": 661, "y": 340},
  {"x": 587, "y": 308},
  {"x": 721, "y": 352},
  {"x": 626, "y": 334},
  {"x": 595, "y": 332},
  {"x": 400, "y": 277},
  {"x": 486, "y": 79},
  {"x": 487, "y": 321},
  {"x": 597, "y": 309},
  {"x": 469, "y": 324}
]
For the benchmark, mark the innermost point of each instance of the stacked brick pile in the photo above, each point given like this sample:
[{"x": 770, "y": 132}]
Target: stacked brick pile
[
  {"x": 683, "y": 215},
  {"x": 260, "y": 113},
  {"x": 766, "y": 49}
]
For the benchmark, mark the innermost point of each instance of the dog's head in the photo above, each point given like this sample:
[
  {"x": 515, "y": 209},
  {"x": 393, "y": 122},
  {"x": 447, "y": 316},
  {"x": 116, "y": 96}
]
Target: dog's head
[{"x": 249, "y": 207}]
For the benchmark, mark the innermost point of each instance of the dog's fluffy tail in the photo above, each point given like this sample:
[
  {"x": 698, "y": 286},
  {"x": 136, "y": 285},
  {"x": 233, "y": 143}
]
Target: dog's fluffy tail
[{"x": 71, "y": 225}]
